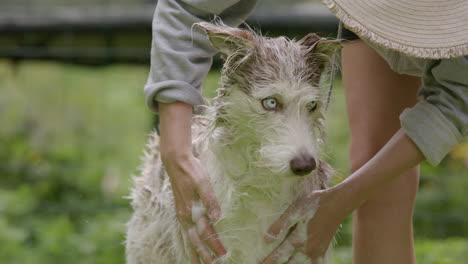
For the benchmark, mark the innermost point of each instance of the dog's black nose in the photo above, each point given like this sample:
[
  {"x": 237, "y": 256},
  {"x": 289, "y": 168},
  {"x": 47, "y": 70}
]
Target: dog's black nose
[{"x": 302, "y": 164}]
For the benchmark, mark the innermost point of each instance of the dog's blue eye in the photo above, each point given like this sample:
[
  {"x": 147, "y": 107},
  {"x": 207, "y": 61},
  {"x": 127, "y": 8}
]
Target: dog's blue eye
[
  {"x": 311, "y": 106},
  {"x": 269, "y": 104}
]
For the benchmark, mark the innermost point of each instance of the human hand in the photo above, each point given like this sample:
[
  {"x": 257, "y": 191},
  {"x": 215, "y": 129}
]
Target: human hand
[
  {"x": 329, "y": 207},
  {"x": 325, "y": 210},
  {"x": 196, "y": 207}
]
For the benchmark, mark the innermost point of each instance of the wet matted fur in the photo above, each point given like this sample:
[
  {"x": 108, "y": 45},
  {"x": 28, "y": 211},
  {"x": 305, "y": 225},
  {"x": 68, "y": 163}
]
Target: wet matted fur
[{"x": 268, "y": 112}]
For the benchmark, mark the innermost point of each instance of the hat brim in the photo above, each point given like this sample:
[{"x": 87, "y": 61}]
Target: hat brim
[{"x": 424, "y": 28}]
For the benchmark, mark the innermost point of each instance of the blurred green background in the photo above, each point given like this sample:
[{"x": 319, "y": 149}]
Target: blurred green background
[{"x": 72, "y": 136}]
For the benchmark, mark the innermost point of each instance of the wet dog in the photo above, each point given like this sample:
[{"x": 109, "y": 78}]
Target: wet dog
[{"x": 260, "y": 141}]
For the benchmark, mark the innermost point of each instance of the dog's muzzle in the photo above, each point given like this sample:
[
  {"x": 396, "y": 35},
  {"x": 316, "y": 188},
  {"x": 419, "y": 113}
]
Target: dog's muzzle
[{"x": 302, "y": 164}]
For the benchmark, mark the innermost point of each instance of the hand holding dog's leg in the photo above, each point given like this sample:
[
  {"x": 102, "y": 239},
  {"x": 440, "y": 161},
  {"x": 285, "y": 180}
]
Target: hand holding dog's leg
[
  {"x": 305, "y": 204},
  {"x": 190, "y": 184},
  {"x": 291, "y": 245},
  {"x": 319, "y": 204},
  {"x": 397, "y": 156}
]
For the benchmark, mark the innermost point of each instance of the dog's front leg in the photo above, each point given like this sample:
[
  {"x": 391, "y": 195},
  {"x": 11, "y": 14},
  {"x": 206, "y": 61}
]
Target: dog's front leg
[
  {"x": 295, "y": 219},
  {"x": 305, "y": 205},
  {"x": 291, "y": 250}
]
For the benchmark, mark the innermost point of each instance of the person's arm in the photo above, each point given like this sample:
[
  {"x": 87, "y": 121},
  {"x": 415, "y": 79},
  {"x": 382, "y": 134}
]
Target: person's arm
[
  {"x": 189, "y": 183},
  {"x": 334, "y": 204},
  {"x": 429, "y": 131},
  {"x": 181, "y": 56}
]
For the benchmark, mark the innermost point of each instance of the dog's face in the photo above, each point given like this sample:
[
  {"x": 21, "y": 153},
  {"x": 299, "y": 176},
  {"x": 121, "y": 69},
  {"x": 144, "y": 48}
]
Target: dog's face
[{"x": 271, "y": 100}]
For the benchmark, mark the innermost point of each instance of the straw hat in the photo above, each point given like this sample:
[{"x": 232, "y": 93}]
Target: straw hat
[{"x": 421, "y": 28}]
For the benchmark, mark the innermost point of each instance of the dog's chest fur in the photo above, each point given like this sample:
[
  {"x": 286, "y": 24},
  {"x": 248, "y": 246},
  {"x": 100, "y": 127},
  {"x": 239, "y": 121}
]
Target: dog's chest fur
[
  {"x": 247, "y": 213},
  {"x": 250, "y": 199}
]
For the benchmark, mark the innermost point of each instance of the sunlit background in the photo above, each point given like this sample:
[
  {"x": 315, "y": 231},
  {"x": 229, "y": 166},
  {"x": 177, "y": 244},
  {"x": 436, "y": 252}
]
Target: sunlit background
[{"x": 73, "y": 125}]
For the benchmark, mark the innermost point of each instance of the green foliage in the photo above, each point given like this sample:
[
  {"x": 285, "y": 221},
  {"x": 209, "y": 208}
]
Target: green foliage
[
  {"x": 66, "y": 160},
  {"x": 70, "y": 137},
  {"x": 448, "y": 251},
  {"x": 442, "y": 206}
]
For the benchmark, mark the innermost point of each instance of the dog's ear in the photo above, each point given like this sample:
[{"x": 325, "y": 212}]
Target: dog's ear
[
  {"x": 319, "y": 52},
  {"x": 226, "y": 39},
  {"x": 327, "y": 46},
  {"x": 309, "y": 40},
  {"x": 316, "y": 44}
]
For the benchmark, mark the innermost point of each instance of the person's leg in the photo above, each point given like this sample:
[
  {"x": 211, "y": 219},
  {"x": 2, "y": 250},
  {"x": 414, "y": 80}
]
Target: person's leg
[{"x": 375, "y": 97}]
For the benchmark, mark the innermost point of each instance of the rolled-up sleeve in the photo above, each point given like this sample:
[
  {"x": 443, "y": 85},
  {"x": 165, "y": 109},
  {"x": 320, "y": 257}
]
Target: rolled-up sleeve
[
  {"x": 440, "y": 120},
  {"x": 181, "y": 55}
]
